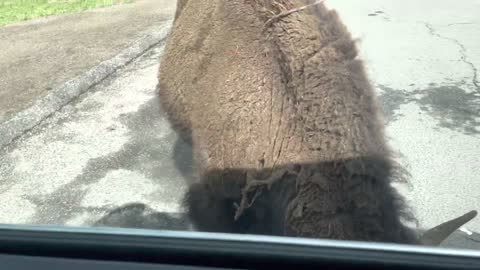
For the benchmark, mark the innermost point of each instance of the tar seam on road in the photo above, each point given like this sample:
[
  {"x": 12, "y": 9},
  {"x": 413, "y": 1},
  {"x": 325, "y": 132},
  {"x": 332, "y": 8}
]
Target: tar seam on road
[
  {"x": 463, "y": 54},
  {"x": 26, "y": 120}
]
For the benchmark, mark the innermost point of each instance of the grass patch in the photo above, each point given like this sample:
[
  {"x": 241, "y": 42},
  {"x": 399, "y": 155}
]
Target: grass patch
[{"x": 12, "y": 11}]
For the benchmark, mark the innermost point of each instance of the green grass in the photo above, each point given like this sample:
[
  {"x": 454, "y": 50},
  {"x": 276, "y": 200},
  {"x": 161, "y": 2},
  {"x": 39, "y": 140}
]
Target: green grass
[{"x": 12, "y": 11}]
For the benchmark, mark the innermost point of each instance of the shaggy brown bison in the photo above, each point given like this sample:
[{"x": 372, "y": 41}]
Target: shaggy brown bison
[{"x": 286, "y": 132}]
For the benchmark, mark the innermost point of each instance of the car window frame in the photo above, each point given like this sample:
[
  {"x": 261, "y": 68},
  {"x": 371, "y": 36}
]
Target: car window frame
[{"x": 223, "y": 250}]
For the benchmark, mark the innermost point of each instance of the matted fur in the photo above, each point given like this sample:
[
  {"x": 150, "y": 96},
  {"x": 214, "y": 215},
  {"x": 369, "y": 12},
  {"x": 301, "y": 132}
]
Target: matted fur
[{"x": 290, "y": 99}]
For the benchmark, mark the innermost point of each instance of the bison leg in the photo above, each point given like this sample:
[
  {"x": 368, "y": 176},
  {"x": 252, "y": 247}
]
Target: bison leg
[
  {"x": 213, "y": 202},
  {"x": 257, "y": 186},
  {"x": 210, "y": 211}
]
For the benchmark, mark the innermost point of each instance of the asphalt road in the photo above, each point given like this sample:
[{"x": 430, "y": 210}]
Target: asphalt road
[
  {"x": 112, "y": 146},
  {"x": 423, "y": 57}
]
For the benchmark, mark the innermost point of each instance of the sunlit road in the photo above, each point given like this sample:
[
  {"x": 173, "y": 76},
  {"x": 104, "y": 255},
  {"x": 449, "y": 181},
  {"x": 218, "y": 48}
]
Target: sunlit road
[
  {"x": 423, "y": 56},
  {"x": 113, "y": 145}
]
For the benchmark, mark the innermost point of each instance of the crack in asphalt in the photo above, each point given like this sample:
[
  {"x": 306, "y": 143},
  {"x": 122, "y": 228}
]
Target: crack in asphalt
[
  {"x": 460, "y": 23},
  {"x": 463, "y": 53}
]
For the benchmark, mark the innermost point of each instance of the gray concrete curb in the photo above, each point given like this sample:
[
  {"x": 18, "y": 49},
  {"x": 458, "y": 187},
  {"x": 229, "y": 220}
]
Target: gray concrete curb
[{"x": 27, "y": 119}]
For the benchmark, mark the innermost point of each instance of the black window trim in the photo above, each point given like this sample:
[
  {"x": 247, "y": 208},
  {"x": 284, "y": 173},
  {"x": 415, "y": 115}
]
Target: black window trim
[{"x": 222, "y": 250}]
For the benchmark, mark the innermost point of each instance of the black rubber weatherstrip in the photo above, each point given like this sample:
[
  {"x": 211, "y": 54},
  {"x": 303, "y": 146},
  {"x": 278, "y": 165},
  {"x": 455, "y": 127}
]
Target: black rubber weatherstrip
[{"x": 223, "y": 251}]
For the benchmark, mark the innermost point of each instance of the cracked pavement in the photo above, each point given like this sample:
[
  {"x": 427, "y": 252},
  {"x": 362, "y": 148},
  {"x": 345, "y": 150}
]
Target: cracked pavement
[
  {"x": 463, "y": 53},
  {"x": 423, "y": 57},
  {"x": 113, "y": 146}
]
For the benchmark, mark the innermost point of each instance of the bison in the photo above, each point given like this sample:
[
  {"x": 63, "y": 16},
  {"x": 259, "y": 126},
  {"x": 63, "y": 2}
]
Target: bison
[{"x": 286, "y": 132}]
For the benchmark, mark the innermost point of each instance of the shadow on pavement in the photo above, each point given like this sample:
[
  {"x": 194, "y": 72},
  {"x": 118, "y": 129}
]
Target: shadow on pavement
[{"x": 140, "y": 216}]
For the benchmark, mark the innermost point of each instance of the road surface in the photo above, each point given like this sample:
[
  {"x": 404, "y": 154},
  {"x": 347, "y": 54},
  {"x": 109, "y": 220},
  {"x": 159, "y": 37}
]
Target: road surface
[
  {"x": 423, "y": 57},
  {"x": 113, "y": 146}
]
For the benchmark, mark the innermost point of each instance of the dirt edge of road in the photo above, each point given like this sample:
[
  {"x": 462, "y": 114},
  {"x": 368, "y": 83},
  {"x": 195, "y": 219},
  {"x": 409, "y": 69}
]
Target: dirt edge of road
[{"x": 27, "y": 119}]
